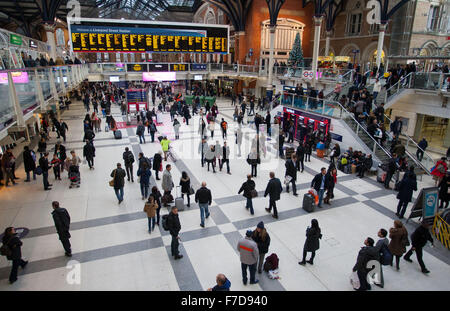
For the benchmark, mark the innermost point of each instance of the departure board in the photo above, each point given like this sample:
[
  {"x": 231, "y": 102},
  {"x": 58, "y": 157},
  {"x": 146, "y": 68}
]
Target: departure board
[{"x": 103, "y": 35}]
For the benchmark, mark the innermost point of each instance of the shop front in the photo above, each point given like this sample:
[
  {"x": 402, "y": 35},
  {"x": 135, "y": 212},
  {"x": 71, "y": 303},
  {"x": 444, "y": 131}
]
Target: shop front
[{"x": 305, "y": 123}]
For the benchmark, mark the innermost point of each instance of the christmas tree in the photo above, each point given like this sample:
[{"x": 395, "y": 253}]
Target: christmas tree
[{"x": 296, "y": 60}]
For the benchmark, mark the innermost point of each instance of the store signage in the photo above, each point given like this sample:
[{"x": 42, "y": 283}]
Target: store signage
[
  {"x": 158, "y": 67},
  {"x": 114, "y": 79},
  {"x": 33, "y": 44},
  {"x": 159, "y": 76},
  {"x": 198, "y": 67},
  {"x": 308, "y": 74},
  {"x": 178, "y": 67},
  {"x": 137, "y": 67},
  {"x": 17, "y": 76},
  {"x": 15, "y": 39}
]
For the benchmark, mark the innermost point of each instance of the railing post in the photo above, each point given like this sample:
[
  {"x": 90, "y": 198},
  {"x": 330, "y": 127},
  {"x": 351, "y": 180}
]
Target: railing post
[
  {"x": 374, "y": 147},
  {"x": 357, "y": 128},
  {"x": 323, "y": 106},
  {"x": 441, "y": 80},
  {"x": 40, "y": 95},
  {"x": 410, "y": 79}
]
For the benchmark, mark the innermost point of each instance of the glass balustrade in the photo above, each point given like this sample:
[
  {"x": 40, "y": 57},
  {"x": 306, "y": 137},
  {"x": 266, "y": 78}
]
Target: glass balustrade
[
  {"x": 6, "y": 104},
  {"x": 44, "y": 80},
  {"x": 64, "y": 75},
  {"x": 26, "y": 90}
]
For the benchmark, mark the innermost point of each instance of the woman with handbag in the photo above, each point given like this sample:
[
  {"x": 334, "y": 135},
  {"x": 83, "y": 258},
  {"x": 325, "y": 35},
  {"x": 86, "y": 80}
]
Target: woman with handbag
[
  {"x": 156, "y": 194},
  {"x": 399, "y": 240},
  {"x": 253, "y": 160},
  {"x": 185, "y": 183},
  {"x": 12, "y": 244},
  {"x": 150, "y": 208},
  {"x": 313, "y": 234},
  {"x": 249, "y": 192},
  {"x": 157, "y": 164}
]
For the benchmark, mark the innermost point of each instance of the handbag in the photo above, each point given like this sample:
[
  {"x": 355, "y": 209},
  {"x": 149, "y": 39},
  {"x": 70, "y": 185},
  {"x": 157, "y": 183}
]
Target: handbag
[
  {"x": 253, "y": 193},
  {"x": 160, "y": 167},
  {"x": 38, "y": 170},
  {"x": 111, "y": 182},
  {"x": 191, "y": 190},
  {"x": 287, "y": 179},
  {"x": 354, "y": 280}
]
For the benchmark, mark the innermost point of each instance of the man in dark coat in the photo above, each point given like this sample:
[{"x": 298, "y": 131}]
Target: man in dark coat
[
  {"x": 418, "y": 240},
  {"x": 392, "y": 167},
  {"x": 423, "y": 144},
  {"x": 291, "y": 171},
  {"x": 247, "y": 187},
  {"x": 268, "y": 124},
  {"x": 173, "y": 222},
  {"x": 14, "y": 244},
  {"x": 300, "y": 153},
  {"x": 89, "y": 135},
  {"x": 157, "y": 160},
  {"x": 406, "y": 188},
  {"x": 128, "y": 159},
  {"x": 29, "y": 162},
  {"x": 62, "y": 130},
  {"x": 320, "y": 183},
  {"x": 366, "y": 254},
  {"x": 365, "y": 166},
  {"x": 119, "y": 181},
  {"x": 62, "y": 223},
  {"x": 43, "y": 163},
  {"x": 281, "y": 144},
  {"x": 274, "y": 190},
  {"x": 89, "y": 154}
]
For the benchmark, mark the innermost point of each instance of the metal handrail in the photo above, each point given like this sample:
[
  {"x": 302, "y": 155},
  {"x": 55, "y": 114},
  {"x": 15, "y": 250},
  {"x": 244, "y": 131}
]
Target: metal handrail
[{"x": 397, "y": 85}]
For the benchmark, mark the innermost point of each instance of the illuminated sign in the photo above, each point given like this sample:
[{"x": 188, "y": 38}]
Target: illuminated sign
[
  {"x": 159, "y": 76},
  {"x": 17, "y": 76}
]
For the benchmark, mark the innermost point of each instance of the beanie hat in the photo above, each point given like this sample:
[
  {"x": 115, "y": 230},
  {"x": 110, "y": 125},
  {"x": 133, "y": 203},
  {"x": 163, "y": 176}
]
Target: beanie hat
[{"x": 260, "y": 225}]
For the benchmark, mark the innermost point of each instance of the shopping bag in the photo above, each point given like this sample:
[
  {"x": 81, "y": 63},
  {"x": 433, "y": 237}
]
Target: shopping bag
[{"x": 354, "y": 280}]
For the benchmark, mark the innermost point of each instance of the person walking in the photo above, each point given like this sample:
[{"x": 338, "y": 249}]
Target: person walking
[
  {"x": 150, "y": 208},
  {"x": 248, "y": 187},
  {"x": 280, "y": 144},
  {"x": 367, "y": 253},
  {"x": 238, "y": 135},
  {"x": 444, "y": 194},
  {"x": 29, "y": 162},
  {"x": 176, "y": 128},
  {"x": 118, "y": 176},
  {"x": 268, "y": 124},
  {"x": 320, "y": 183},
  {"x": 140, "y": 132},
  {"x": 202, "y": 150},
  {"x": 308, "y": 149},
  {"x": 43, "y": 163},
  {"x": 157, "y": 164},
  {"x": 173, "y": 222},
  {"x": 381, "y": 246},
  {"x": 399, "y": 240},
  {"x": 392, "y": 167},
  {"x": 156, "y": 194},
  {"x": 14, "y": 244},
  {"x": 185, "y": 183},
  {"x": 249, "y": 255},
  {"x": 204, "y": 199},
  {"x": 313, "y": 234},
  {"x": 274, "y": 190},
  {"x": 152, "y": 129},
  {"x": 405, "y": 191},
  {"x": 224, "y": 127},
  {"x": 212, "y": 126},
  {"x": 128, "y": 158},
  {"x": 418, "y": 240},
  {"x": 89, "y": 154},
  {"x": 253, "y": 160},
  {"x": 167, "y": 184},
  {"x": 439, "y": 170},
  {"x": 262, "y": 239},
  {"x": 225, "y": 155},
  {"x": 42, "y": 147},
  {"x": 165, "y": 145},
  {"x": 210, "y": 157},
  {"x": 61, "y": 219},
  {"x": 145, "y": 173},
  {"x": 202, "y": 128},
  {"x": 422, "y": 145},
  {"x": 300, "y": 153},
  {"x": 291, "y": 174},
  {"x": 331, "y": 177}
]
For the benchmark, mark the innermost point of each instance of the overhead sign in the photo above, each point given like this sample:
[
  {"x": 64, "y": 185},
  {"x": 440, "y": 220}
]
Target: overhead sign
[
  {"x": 178, "y": 67},
  {"x": 15, "y": 39},
  {"x": 158, "y": 67},
  {"x": 137, "y": 67},
  {"x": 17, "y": 77},
  {"x": 198, "y": 67},
  {"x": 159, "y": 76},
  {"x": 308, "y": 74},
  {"x": 33, "y": 44},
  {"x": 110, "y": 35}
]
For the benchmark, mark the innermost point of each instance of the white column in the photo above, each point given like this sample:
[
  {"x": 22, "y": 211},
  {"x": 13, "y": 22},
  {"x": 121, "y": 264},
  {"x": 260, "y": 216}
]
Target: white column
[
  {"x": 380, "y": 44},
  {"x": 39, "y": 93},
  {"x": 54, "y": 93},
  {"x": 15, "y": 100},
  {"x": 327, "y": 43},
  {"x": 50, "y": 32},
  {"x": 317, "y": 24},
  {"x": 271, "y": 61},
  {"x": 63, "y": 86}
]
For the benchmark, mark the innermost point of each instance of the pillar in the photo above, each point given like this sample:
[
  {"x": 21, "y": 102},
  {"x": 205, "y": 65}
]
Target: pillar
[
  {"x": 39, "y": 93},
  {"x": 269, "y": 90},
  {"x": 50, "y": 32},
  {"x": 380, "y": 44},
  {"x": 317, "y": 24},
  {"x": 327, "y": 43},
  {"x": 54, "y": 93}
]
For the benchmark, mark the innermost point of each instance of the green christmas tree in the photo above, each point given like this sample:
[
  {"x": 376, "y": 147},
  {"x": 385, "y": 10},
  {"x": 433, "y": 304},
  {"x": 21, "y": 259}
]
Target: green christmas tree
[{"x": 296, "y": 56}]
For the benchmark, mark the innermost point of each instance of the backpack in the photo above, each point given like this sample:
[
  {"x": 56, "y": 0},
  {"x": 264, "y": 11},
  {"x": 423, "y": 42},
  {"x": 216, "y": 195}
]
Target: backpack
[
  {"x": 385, "y": 255},
  {"x": 130, "y": 158},
  {"x": 271, "y": 262},
  {"x": 5, "y": 250},
  {"x": 344, "y": 161},
  {"x": 164, "y": 220}
]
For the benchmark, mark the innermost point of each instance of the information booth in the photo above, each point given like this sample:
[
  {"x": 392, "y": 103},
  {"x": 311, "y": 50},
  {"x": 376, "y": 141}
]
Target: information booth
[
  {"x": 136, "y": 101},
  {"x": 305, "y": 123}
]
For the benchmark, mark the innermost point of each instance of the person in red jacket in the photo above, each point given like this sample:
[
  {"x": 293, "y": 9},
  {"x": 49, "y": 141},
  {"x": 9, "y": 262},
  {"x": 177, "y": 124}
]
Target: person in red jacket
[{"x": 439, "y": 170}]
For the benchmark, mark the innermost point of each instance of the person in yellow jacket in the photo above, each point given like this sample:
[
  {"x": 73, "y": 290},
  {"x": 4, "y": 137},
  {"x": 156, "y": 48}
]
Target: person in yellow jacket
[{"x": 165, "y": 146}]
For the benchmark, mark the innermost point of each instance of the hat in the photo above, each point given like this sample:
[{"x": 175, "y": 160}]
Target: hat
[
  {"x": 249, "y": 233},
  {"x": 260, "y": 225}
]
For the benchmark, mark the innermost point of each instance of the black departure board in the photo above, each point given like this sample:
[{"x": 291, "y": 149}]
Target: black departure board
[{"x": 105, "y": 36}]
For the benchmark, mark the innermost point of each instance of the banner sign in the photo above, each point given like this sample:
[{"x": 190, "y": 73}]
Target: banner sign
[
  {"x": 15, "y": 39},
  {"x": 198, "y": 67}
]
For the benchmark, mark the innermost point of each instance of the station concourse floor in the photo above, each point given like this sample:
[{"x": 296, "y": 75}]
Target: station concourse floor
[{"x": 114, "y": 250}]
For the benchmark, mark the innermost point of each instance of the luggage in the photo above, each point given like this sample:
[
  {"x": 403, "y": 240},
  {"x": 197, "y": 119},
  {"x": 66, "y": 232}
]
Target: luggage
[
  {"x": 353, "y": 168},
  {"x": 160, "y": 138},
  {"x": 347, "y": 169},
  {"x": 354, "y": 280},
  {"x": 164, "y": 222},
  {"x": 117, "y": 134},
  {"x": 319, "y": 153},
  {"x": 381, "y": 174},
  {"x": 308, "y": 203},
  {"x": 179, "y": 201},
  {"x": 271, "y": 262},
  {"x": 289, "y": 152}
]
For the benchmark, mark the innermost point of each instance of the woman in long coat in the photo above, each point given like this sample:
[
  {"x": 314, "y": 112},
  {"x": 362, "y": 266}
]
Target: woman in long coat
[
  {"x": 29, "y": 163},
  {"x": 405, "y": 191},
  {"x": 312, "y": 242},
  {"x": 399, "y": 237}
]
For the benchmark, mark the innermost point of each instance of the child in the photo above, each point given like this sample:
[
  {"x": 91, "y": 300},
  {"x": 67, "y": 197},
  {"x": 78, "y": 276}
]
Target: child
[
  {"x": 56, "y": 163},
  {"x": 150, "y": 208}
]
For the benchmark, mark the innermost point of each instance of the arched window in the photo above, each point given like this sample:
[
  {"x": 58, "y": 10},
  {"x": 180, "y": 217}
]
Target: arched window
[{"x": 60, "y": 37}]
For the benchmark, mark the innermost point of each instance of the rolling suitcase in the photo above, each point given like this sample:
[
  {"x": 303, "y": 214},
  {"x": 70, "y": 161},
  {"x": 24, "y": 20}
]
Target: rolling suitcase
[
  {"x": 308, "y": 203},
  {"x": 179, "y": 201},
  {"x": 347, "y": 169},
  {"x": 118, "y": 134}
]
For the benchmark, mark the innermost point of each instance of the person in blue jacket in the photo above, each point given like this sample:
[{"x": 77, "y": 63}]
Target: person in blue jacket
[
  {"x": 144, "y": 172},
  {"x": 223, "y": 284}
]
